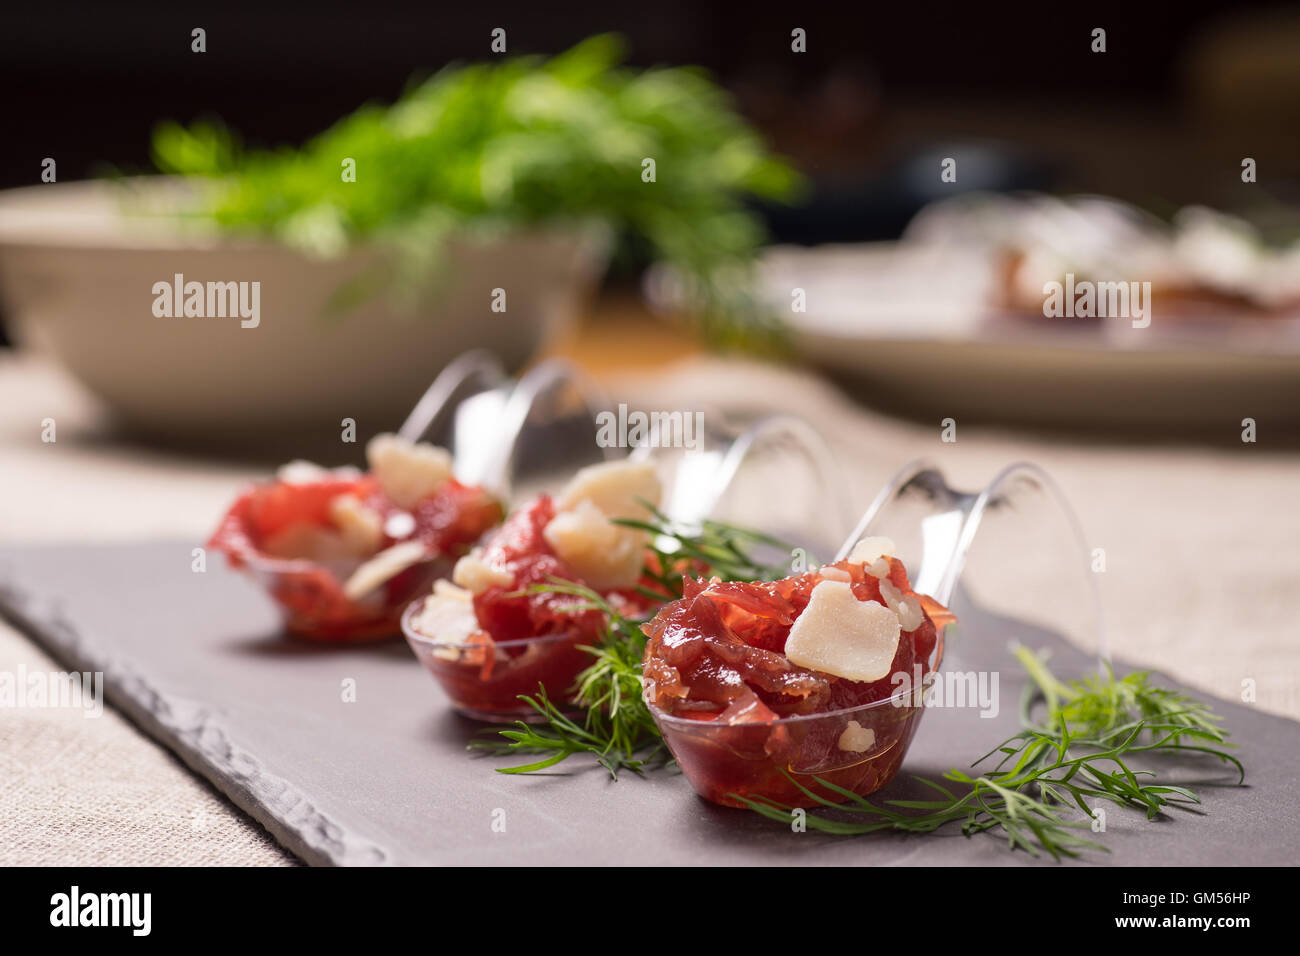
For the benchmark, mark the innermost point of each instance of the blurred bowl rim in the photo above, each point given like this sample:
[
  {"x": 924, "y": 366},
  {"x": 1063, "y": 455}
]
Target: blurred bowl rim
[{"x": 53, "y": 216}]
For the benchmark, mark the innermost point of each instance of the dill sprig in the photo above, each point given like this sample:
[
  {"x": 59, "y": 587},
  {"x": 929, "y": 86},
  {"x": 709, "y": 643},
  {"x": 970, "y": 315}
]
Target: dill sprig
[
  {"x": 707, "y": 549},
  {"x": 616, "y": 726},
  {"x": 1082, "y": 750}
]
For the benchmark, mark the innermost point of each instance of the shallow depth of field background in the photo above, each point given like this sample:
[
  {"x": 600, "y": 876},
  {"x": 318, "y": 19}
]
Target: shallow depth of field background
[{"x": 1161, "y": 119}]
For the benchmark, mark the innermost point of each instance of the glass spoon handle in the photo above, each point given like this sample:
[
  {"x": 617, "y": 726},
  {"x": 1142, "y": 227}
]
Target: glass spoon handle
[{"x": 1016, "y": 546}]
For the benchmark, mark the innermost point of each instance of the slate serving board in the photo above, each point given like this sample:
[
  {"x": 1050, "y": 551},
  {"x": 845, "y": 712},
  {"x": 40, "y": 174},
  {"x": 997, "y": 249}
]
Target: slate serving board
[{"x": 198, "y": 662}]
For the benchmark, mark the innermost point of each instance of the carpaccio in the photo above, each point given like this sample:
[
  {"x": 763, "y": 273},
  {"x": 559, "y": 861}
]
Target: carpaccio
[
  {"x": 311, "y": 588},
  {"x": 493, "y": 638},
  {"x": 743, "y": 720},
  {"x": 508, "y": 611}
]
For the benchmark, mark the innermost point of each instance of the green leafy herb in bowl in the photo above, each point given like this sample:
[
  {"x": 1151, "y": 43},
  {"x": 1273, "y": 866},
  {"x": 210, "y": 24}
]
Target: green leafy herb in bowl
[{"x": 658, "y": 155}]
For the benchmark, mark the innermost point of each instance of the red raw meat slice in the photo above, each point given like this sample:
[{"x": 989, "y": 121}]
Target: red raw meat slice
[
  {"x": 447, "y": 522},
  {"x": 722, "y": 647}
]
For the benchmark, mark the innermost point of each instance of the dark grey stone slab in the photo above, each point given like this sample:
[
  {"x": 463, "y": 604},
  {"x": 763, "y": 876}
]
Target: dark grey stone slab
[{"x": 197, "y": 661}]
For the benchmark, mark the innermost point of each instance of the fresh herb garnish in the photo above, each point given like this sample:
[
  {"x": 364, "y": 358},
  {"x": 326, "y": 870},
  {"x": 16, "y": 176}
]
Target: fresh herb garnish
[
  {"x": 616, "y": 726},
  {"x": 477, "y": 150},
  {"x": 1091, "y": 731},
  {"x": 711, "y": 549}
]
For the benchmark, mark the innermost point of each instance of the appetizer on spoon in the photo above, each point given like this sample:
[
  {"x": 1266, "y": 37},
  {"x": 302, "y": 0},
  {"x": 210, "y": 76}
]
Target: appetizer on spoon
[
  {"x": 754, "y": 684},
  {"x": 343, "y": 552},
  {"x": 499, "y": 629}
]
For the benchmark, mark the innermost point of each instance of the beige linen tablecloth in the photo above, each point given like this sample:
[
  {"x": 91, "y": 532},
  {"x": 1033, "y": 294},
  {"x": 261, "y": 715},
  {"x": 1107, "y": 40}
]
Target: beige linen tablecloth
[{"x": 1202, "y": 580}]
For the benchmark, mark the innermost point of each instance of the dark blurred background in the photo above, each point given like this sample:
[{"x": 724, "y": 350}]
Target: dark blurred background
[{"x": 1162, "y": 118}]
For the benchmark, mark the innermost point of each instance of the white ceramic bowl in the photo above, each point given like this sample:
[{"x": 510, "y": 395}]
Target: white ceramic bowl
[{"x": 77, "y": 273}]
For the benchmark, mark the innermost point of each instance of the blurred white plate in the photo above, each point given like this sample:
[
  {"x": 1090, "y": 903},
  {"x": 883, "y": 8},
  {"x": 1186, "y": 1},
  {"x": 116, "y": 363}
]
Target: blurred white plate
[{"x": 908, "y": 327}]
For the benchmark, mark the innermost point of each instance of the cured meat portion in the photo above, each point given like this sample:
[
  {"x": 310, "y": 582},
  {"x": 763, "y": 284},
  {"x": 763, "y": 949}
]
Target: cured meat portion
[
  {"x": 719, "y": 651},
  {"x": 295, "y": 539},
  {"x": 728, "y": 677},
  {"x": 507, "y": 611},
  {"x": 521, "y": 632}
]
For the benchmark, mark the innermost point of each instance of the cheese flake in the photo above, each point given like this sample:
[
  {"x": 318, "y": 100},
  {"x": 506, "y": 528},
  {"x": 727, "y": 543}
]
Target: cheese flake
[
  {"x": 856, "y": 738},
  {"x": 603, "y": 554},
  {"x": 840, "y": 635},
  {"x": 868, "y": 550},
  {"x": 476, "y": 575},
  {"x": 447, "y": 616},
  {"x": 907, "y": 607},
  {"x": 361, "y": 527},
  {"x": 407, "y": 471},
  {"x": 385, "y": 565},
  {"x": 879, "y": 568},
  {"x": 615, "y": 487}
]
